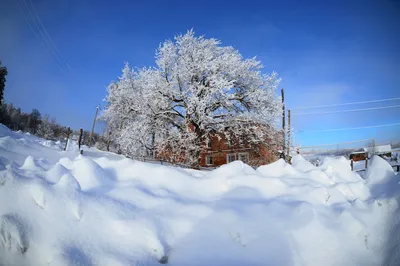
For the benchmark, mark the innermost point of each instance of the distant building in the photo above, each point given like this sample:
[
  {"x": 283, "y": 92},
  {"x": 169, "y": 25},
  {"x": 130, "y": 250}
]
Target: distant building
[{"x": 381, "y": 150}]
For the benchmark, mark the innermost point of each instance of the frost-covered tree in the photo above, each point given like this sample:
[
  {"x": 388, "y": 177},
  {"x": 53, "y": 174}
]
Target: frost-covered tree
[
  {"x": 198, "y": 88},
  {"x": 34, "y": 120},
  {"x": 15, "y": 116},
  {"x": 46, "y": 127},
  {"x": 3, "y": 74}
]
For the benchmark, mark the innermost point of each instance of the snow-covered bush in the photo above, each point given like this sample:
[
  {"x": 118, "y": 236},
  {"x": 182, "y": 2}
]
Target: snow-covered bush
[{"x": 46, "y": 127}]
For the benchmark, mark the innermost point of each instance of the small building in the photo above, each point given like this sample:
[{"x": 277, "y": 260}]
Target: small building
[
  {"x": 381, "y": 150},
  {"x": 221, "y": 151},
  {"x": 358, "y": 156},
  {"x": 222, "y": 147}
]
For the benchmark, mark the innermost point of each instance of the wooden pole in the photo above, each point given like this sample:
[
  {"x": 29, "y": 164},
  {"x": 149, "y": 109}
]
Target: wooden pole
[
  {"x": 366, "y": 163},
  {"x": 351, "y": 164},
  {"x": 66, "y": 143},
  {"x": 373, "y": 141},
  {"x": 288, "y": 136},
  {"x": 283, "y": 119},
  {"x": 94, "y": 123},
  {"x": 108, "y": 141},
  {"x": 80, "y": 138}
]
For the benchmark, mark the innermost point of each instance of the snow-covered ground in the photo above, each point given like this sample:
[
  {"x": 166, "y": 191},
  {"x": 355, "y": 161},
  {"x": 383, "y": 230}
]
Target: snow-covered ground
[{"x": 62, "y": 208}]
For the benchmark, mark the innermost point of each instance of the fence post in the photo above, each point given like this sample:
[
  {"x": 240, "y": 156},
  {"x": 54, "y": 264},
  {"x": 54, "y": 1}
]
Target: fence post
[
  {"x": 351, "y": 164},
  {"x": 66, "y": 143},
  {"x": 366, "y": 163},
  {"x": 80, "y": 138}
]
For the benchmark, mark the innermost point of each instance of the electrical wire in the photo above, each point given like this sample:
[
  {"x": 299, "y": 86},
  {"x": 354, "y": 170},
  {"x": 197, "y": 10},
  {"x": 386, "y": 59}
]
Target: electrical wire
[
  {"x": 39, "y": 34},
  {"x": 351, "y": 128},
  {"x": 48, "y": 36},
  {"x": 349, "y": 110},
  {"x": 343, "y": 104},
  {"x": 333, "y": 144}
]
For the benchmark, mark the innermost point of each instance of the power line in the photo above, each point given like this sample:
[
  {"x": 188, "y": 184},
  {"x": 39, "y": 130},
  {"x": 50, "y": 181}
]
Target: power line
[
  {"x": 27, "y": 20},
  {"x": 35, "y": 33},
  {"x": 48, "y": 36},
  {"x": 40, "y": 37},
  {"x": 343, "y": 104},
  {"x": 333, "y": 144},
  {"x": 350, "y": 128},
  {"x": 349, "y": 110},
  {"x": 43, "y": 37}
]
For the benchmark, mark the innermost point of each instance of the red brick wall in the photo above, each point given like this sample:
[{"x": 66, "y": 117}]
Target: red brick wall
[{"x": 257, "y": 154}]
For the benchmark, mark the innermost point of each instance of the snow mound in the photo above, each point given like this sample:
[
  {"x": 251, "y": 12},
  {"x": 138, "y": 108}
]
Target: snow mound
[
  {"x": 339, "y": 169},
  {"x": 301, "y": 164},
  {"x": 31, "y": 164},
  {"x": 55, "y": 173},
  {"x": 88, "y": 173},
  {"x": 233, "y": 169},
  {"x": 61, "y": 208},
  {"x": 68, "y": 181},
  {"x": 277, "y": 169},
  {"x": 379, "y": 171},
  {"x": 381, "y": 179}
]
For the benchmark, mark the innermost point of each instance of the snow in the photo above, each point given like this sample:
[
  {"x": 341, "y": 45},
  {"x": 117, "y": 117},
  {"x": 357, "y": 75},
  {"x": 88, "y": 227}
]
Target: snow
[{"x": 62, "y": 208}]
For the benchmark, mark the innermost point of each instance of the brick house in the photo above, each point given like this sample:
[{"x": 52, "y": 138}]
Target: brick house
[{"x": 221, "y": 151}]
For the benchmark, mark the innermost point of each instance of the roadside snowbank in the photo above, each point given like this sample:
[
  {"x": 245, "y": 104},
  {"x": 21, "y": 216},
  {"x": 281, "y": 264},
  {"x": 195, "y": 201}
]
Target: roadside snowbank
[{"x": 62, "y": 208}]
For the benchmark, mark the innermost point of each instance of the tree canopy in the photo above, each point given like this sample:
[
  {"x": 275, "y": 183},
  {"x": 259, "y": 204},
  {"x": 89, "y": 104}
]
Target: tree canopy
[{"x": 197, "y": 87}]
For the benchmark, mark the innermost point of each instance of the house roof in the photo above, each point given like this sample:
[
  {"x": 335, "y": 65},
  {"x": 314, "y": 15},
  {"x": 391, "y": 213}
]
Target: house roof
[
  {"x": 379, "y": 148},
  {"x": 358, "y": 152}
]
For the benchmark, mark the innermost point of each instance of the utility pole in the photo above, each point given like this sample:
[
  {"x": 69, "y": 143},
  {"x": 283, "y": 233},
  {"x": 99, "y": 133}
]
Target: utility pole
[
  {"x": 94, "y": 123},
  {"x": 66, "y": 142},
  {"x": 283, "y": 120},
  {"x": 288, "y": 137}
]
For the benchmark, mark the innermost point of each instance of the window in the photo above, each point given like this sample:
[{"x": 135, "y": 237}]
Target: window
[
  {"x": 230, "y": 158},
  {"x": 209, "y": 160},
  {"x": 244, "y": 157},
  {"x": 209, "y": 144},
  {"x": 229, "y": 142}
]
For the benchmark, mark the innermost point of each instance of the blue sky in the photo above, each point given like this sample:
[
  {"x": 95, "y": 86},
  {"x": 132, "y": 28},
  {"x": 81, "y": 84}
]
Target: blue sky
[{"x": 326, "y": 52}]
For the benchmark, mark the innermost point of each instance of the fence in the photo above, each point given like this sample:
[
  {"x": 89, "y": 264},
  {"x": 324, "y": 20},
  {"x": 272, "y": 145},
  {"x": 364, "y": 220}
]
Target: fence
[
  {"x": 314, "y": 154},
  {"x": 152, "y": 160},
  {"x": 335, "y": 149}
]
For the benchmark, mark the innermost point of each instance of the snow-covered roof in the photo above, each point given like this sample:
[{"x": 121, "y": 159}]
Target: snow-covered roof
[
  {"x": 379, "y": 148},
  {"x": 358, "y": 152}
]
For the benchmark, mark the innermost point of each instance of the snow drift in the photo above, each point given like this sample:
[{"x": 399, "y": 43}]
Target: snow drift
[{"x": 62, "y": 208}]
